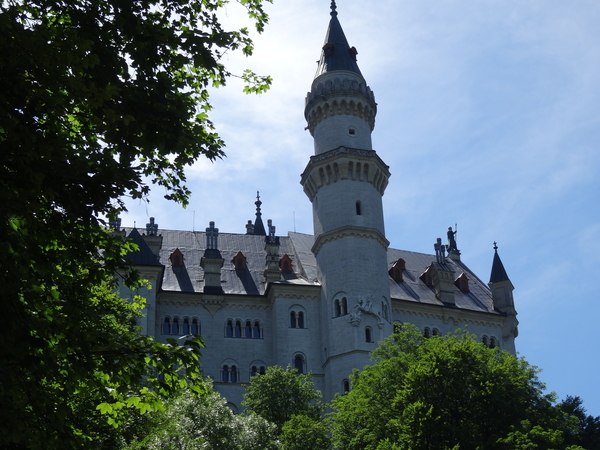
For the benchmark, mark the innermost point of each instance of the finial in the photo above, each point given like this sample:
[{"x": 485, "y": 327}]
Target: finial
[
  {"x": 333, "y": 9},
  {"x": 495, "y": 246}
]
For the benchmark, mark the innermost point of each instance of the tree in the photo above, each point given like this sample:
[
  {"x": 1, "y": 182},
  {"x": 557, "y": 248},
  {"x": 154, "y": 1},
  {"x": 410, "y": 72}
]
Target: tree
[
  {"x": 192, "y": 422},
  {"x": 301, "y": 432},
  {"x": 98, "y": 98},
  {"x": 280, "y": 394},
  {"x": 445, "y": 392},
  {"x": 588, "y": 427}
]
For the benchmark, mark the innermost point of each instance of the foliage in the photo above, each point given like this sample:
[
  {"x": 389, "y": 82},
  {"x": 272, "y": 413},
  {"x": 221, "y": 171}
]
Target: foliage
[
  {"x": 587, "y": 432},
  {"x": 97, "y": 98},
  {"x": 280, "y": 394},
  {"x": 198, "y": 422},
  {"x": 301, "y": 432},
  {"x": 444, "y": 392}
]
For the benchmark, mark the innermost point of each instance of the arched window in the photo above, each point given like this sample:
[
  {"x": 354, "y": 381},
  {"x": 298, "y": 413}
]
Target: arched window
[
  {"x": 248, "y": 330},
  {"x": 166, "y": 326},
  {"x": 262, "y": 370},
  {"x": 493, "y": 342},
  {"x": 256, "y": 330},
  {"x": 238, "y": 329},
  {"x": 253, "y": 371},
  {"x": 384, "y": 310},
  {"x": 299, "y": 363},
  {"x": 435, "y": 332},
  {"x": 427, "y": 332},
  {"x": 338, "y": 309},
  {"x": 292, "y": 319},
  {"x": 225, "y": 374},
  {"x": 368, "y": 337},
  {"x": 229, "y": 329},
  {"x": 233, "y": 374},
  {"x": 345, "y": 386},
  {"x": 175, "y": 329},
  {"x": 344, "y": 306},
  {"x": 195, "y": 327},
  {"x": 358, "y": 209},
  {"x": 300, "y": 319},
  {"x": 186, "y": 326}
]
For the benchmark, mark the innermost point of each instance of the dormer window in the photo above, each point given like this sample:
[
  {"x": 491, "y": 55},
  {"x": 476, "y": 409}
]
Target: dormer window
[
  {"x": 462, "y": 283},
  {"x": 239, "y": 261},
  {"x": 397, "y": 269},
  {"x": 176, "y": 258},
  {"x": 285, "y": 264},
  {"x": 427, "y": 276}
]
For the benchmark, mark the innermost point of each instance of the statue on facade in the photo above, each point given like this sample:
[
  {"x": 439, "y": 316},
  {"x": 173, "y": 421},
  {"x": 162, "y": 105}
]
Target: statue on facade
[{"x": 451, "y": 240}]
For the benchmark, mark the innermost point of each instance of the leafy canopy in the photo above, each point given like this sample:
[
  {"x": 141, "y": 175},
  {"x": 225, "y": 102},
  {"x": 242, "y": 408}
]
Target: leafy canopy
[
  {"x": 280, "y": 394},
  {"x": 98, "y": 97},
  {"x": 444, "y": 393}
]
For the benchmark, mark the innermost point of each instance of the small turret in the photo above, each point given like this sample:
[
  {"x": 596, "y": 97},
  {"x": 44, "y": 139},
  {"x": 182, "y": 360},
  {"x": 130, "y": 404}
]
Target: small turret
[
  {"x": 272, "y": 271},
  {"x": 502, "y": 296},
  {"x": 212, "y": 262}
]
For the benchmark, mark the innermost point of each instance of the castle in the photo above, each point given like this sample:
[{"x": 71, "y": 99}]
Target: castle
[{"x": 318, "y": 303}]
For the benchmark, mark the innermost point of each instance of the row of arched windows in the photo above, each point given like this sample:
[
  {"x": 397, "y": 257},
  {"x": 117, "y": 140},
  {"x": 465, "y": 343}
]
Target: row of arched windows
[
  {"x": 230, "y": 372},
  {"x": 428, "y": 332},
  {"x": 491, "y": 342},
  {"x": 297, "y": 319},
  {"x": 248, "y": 330},
  {"x": 181, "y": 327}
]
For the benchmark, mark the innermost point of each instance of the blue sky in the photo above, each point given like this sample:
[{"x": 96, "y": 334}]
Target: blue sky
[{"x": 488, "y": 116}]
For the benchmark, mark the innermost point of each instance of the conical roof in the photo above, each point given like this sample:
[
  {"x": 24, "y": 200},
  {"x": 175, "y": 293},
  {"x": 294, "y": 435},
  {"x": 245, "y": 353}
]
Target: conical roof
[
  {"x": 498, "y": 272},
  {"x": 336, "y": 53}
]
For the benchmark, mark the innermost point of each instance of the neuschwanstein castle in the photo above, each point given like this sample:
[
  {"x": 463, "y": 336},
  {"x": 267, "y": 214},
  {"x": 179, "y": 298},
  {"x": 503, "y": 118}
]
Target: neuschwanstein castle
[{"x": 321, "y": 302}]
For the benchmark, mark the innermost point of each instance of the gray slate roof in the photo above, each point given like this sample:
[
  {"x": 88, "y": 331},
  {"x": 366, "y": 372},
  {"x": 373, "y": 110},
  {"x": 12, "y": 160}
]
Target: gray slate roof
[{"x": 190, "y": 277}]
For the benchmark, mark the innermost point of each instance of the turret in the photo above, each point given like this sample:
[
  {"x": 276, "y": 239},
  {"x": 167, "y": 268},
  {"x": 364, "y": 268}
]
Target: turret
[
  {"x": 345, "y": 181},
  {"x": 502, "y": 296}
]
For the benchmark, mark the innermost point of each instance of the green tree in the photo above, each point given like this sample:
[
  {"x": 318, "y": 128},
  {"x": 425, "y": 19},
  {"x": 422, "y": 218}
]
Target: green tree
[
  {"x": 443, "y": 392},
  {"x": 98, "y": 98},
  {"x": 301, "y": 432},
  {"x": 588, "y": 427},
  {"x": 191, "y": 422},
  {"x": 280, "y": 394}
]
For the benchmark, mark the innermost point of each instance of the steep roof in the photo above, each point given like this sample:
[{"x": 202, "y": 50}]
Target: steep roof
[
  {"x": 190, "y": 277},
  {"x": 144, "y": 256},
  {"x": 498, "y": 272},
  {"x": 337, "y": 53}
]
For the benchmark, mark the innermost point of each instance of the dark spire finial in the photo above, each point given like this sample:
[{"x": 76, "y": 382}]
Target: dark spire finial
[
  {"x": 333, "y": 8},
  {"x": 259, "y": 228},
  {"x": 495, "y": 246},
  {"x": 258, "y": 202}
]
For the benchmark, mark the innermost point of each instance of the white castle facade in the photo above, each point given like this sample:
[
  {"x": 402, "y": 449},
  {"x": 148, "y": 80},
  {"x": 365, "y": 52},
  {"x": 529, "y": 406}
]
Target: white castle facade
[{"x": 318, "y": 303}]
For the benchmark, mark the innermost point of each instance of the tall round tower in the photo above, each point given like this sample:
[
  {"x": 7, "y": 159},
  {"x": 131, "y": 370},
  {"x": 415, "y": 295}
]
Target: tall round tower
[{"x": 345, "y": 182}]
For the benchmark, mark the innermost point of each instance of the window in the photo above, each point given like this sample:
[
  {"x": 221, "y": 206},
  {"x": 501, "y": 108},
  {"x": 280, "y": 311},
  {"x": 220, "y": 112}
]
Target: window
[
  {"x": 262, "y": 370},
  {"x": 427, "y": 332},
  {"x": 176, "y": 258},
  {"x": 175, "y": 328},
  {"x": 435, "y": 332},
  {"x": 384, "y": 310},
  {"x": 397, "y": 270},
  {"x": 285, "y": 264},
  {"x": 248, "y": 330},
  {"x": 257, "y": 330},
  {"x": 493, "y": 342},
  {"x": 233, "y": 374},
  {"x": 239, "y": 262},
  {"x": 358, "y": 209},
  {"x": 368, "y": 335},
  {"x": 300, "y": 319},
  {"x": 345, "y": 386},
  {"x": 238, "y": 329},
  {"x": 185, "y": 329},
  {"x": 253, "y": 371},
  {"x": 485, "y": 341},
  {"x": 292, "y": 319},
  {"x": 338, "y": 309},
  {"x": 299, "y": 363},
  {"x": 229, "y": 329},
  {"x": 195, "y": 327},
  {"x": 296, "y": 319},
  {"x": 166, "y": 326},
  {"x": 344, "y": 306},
  {"x": 225, "y": 374}
]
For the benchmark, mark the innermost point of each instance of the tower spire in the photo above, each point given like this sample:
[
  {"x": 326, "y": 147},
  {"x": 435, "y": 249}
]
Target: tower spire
[
  {"x": 259, "y": 227},
  {"x": 333, "y": 8}
]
